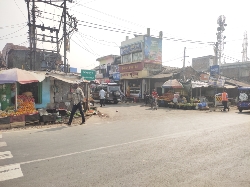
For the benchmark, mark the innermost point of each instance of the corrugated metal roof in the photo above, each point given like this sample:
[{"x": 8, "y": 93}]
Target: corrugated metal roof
[
  {"x": 238, "y": 83},
  {"x": 159, "y": 76},
  {"x": 67, "y": 78}
]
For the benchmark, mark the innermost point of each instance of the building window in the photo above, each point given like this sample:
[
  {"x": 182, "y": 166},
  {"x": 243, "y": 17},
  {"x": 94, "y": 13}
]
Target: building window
[
  {"x": 126, "y": 58},
  {"x": 137, "y": 57}
]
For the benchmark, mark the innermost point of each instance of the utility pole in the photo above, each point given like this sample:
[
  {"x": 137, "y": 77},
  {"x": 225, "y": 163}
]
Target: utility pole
[
  {"x": 64, "y": 35},
  {"x": 29, "y": 24},
  {"x": 50, "y": 56},
  {"x": 245, "y": 45},
  {"x": 34, "y": 35},
  {"x": 184, "y": 61},
  {"x": 216, "y": 53},
  {"x": 184, "y": 57}
]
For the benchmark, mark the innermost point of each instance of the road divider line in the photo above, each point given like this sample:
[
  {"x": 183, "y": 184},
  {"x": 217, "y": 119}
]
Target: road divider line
[
  {"x": 2, "y": 144},
  {"x": 6, "y": 154},
  {"x": 175, "y": 135},
  {"x": 10, "y": 172}
]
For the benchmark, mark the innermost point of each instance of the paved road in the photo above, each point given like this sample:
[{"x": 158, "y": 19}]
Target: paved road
[{"x": 134, "y": 146}]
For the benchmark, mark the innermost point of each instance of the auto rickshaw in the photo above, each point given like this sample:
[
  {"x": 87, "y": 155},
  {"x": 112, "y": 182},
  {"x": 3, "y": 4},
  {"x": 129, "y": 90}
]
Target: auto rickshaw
[{"x": 243, "y": 98}]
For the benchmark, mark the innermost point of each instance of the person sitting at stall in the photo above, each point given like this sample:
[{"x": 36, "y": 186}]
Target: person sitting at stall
[{"x": 180, "y": 99}]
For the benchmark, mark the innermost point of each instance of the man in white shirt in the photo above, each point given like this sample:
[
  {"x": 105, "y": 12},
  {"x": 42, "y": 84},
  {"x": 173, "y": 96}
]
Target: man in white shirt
[
  {"x": 78, "y": 97},
  {"x": 102, "y": 97}
]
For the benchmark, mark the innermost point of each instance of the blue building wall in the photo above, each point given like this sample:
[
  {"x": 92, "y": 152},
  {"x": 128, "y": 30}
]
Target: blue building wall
[{"x": 45, "y": 93}]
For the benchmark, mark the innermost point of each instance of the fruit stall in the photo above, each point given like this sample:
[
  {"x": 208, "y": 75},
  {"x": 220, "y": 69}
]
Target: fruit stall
[
  {"x": 24, "y": 115},
  {"x": 24, "y": 111},
  {"x": 165, "y": 99}
]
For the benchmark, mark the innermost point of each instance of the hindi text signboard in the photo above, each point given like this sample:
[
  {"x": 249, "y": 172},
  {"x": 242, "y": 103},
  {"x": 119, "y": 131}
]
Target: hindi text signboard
[{"x": 88, "y": 74}]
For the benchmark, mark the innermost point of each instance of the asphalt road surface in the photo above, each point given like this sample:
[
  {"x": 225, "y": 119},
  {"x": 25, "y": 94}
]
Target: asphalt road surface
[{"x": 132, "y": 146}]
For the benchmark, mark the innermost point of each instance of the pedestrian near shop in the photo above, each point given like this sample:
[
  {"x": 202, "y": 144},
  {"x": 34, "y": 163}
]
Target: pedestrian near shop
[
  {"x": 77, "y": 99},
  {"x": 224, "y": 98},
  {"x": 102, "y": 97},
  {"x": 146, "y": 97}
]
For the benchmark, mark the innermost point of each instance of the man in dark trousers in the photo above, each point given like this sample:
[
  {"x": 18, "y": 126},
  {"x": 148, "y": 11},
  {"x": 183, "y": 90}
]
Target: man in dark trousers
[
  {"x": 102, "y": 94},
  {"x": 77, "y": 97},
  {"x": 224, "y": 98}
]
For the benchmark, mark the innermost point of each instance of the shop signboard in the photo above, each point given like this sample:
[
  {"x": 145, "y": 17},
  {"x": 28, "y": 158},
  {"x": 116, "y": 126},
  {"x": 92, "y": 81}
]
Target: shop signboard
[
  {"x": 131, "y": 67},
  {"x": 152, "y": 50},
  {"x": 116, "y": 76},
  {"x": 88, "y": 74},
  {"x": 216, "y": 83},
  {"x": 214, "y": 71},
  {"x": 99, "y": 76},
  {"x": 204, "y": 77},
  {"x": 134, "y": 75},
  {"x": 131, "y": 48}
]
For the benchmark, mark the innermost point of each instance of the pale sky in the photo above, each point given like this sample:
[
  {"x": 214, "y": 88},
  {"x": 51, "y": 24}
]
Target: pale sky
[{"x": 194, "y": 20}]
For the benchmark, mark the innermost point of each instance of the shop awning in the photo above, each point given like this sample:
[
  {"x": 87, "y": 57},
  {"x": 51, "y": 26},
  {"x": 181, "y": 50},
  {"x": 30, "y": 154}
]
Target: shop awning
[
  {"x": 172, "y": 84},
  {"x": 67, "y": 79},
  {"x": 19, "y": 75}
]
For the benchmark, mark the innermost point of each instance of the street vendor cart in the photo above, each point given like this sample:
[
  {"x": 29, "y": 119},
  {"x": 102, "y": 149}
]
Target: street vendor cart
[{"x": 218, "y": 102}]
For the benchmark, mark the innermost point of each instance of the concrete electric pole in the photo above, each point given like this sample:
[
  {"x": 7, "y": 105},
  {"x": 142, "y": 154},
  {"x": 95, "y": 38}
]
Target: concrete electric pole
[
  {"x": 66, "y": 19},
  {"x": 245, "y": 45}
]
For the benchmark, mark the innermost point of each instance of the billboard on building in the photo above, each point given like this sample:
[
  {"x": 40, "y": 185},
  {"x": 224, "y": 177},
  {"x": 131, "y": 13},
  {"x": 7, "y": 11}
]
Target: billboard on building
[
  {"x": 214, "y": 71},
  {"x": 125, "y": 50},
  {"x": 152, "y": 50}
]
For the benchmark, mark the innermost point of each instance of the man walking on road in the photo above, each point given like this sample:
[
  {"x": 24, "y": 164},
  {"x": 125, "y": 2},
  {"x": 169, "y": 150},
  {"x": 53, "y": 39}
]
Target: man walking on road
[
  {"x": 224, "y": 97},
  {"x": 102, "y": 97},
  {"x": 78, "y": 97}
]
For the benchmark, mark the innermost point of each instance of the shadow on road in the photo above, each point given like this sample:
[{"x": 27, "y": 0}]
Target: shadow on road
[
  {"x": 52, "y": 129},
  {"x": 244, "y": 113}
]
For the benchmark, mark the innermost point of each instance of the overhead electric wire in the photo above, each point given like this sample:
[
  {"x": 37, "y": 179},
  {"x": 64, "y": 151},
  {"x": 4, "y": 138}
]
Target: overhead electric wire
[
  {"x": 172, "y": 59},
  {"x": 13, "y": 26},
  {"x": 191, "y": 41},
  {"x": 230, "y": 58},
  {"x": 83, "y": 35},
  {"x": 133, "y": 32},
  {"x": 20, "y": 9},
  {"x": 12, "y": 32},
  {"x": 77, "y": 3},
  {"x": 98, "y": 26},
  {"x": 12, "y": 37},
  {"x": 24, "y": 42},
  {"x": 84, "y": 48},
  {"x": 113, "y": 16},
  {"x": 87, "y": 45}
]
